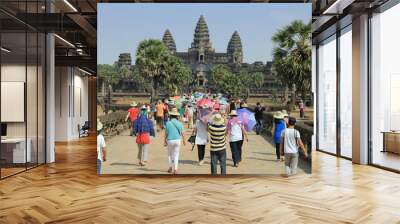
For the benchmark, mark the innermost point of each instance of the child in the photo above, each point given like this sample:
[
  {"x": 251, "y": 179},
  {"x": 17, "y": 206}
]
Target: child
[
  {"x": 291, "y": 141},
  {"x": 101, "y": 146}
]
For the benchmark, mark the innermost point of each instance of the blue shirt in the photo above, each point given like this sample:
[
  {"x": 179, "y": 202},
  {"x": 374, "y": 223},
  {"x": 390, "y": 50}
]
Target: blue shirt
[
  {"x": 279, "y": 127},
  {"x": 173, "y": 129}
]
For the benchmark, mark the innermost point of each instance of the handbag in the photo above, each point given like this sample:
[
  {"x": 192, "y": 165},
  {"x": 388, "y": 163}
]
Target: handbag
[
  {"x": 192, "y": 139},
  {"x": 143, "y": 138}
]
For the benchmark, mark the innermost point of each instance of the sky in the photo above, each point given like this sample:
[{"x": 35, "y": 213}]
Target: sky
[{"x": 122, "y": 26}]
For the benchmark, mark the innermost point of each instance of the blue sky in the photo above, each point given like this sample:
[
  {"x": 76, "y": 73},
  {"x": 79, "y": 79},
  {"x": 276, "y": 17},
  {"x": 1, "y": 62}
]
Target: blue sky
[{"x": 122, "y": 26}]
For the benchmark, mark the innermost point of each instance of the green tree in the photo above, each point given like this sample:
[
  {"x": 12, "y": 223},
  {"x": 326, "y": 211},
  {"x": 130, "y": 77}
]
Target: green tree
[
  {"x": 258, "y": 78},
  {"x": 247, "y": 81},
  {"x": 232, "y": 84},
  {"x": 151, "y": 62},
  {"x": 292, "y": 57},
  {"x": 219, "y": 72},
  {"x": 109, "y": 74},
  {"x": 179, "y": 76}
]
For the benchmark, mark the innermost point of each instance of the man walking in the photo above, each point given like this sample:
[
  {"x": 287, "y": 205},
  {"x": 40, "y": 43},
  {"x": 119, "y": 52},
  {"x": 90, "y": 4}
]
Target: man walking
[
  {"x": 217, "y": 130},
  {"x": 133, "y": 113},
  {"x": 258, "y": 113},
  {"x": 160, "y": 115}
]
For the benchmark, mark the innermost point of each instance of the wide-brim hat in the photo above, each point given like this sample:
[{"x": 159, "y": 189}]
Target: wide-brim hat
[
  {"x": 217, "y": 119},
  {"x": 233, "y": 113},
  {"x": 244, "y": 105},
  {"x": 285, "y": 113},
  {"x": 174, "y": 112},
  {"x": 133, "y": 104},
  {"x": 278, "y": 115},
  {"x": 99, "y": 125}
]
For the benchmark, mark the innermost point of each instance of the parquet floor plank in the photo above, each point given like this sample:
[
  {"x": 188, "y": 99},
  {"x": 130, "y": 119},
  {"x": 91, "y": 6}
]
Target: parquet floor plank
[{"x": 70, "y": 191}]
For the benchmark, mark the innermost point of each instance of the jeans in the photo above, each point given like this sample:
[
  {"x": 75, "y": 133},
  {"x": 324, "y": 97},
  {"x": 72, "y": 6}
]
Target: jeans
[
  {"x": 173, "y": 153},
  {"x": 215, "y": 157},
  {"x": 259, "y": 127},
  {"x": 240, "y": 149},
  {"x": 278, "y": 150},
  {"x": 291, "y": 161},
  {"x": 99, "y": 166},
  {"x": 143, "y": 152},
  {"x": 201, "y": 149},
  {"x": 133, "y": 133},
  {"x": 235, "y": 148}
]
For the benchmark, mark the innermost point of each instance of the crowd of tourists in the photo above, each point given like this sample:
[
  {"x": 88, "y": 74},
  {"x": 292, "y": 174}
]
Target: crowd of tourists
[{"x": 215, "y": 121}]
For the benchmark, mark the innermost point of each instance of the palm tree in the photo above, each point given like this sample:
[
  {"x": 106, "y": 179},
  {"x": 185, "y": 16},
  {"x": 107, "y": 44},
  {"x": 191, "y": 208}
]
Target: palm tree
[
  {"x": 292, "y": 57},
  {"x": 151, "y": 57}
]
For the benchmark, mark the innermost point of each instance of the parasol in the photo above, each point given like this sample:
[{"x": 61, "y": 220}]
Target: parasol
[
  {"x": 205, "y": 103},
  {"x": 247, "y": 117}
]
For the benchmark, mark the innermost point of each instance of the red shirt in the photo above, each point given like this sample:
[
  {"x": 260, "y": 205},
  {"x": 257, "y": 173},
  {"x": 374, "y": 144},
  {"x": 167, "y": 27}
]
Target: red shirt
[{"x": 133, "y": 113}]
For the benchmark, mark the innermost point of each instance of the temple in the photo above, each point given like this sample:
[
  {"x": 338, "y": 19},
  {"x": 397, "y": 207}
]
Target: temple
[{"x": 201, "y": 56}]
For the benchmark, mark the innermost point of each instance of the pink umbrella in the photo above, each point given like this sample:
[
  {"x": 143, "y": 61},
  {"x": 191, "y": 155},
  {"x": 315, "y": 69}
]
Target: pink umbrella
[{"x": 203, "y": 103}]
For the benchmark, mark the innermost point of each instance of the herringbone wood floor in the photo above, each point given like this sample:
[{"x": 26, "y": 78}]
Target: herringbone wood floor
[{"x": 69, "y": 191}]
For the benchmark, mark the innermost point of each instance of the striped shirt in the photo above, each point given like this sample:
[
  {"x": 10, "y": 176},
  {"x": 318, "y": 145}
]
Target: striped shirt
[{"x": 217, "y": 137}]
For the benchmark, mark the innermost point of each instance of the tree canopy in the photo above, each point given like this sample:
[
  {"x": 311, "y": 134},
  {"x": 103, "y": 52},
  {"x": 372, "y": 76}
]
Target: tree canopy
[{"x": 292, "y": 56}]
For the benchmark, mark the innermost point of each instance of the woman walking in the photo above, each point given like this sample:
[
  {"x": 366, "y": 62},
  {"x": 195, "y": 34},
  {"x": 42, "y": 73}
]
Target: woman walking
[
  {"x": 200, "y": 131},
  {"x": 144, "y": 129},
  {"x": 101, "y": 147},
  {"x": 278, "y": 127},
  {"x": 236, "y": 133},
  {"x": 173, "y": 137}
]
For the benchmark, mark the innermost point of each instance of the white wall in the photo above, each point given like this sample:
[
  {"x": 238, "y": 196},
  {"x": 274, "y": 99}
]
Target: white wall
[{"x": 71, "y": 102}]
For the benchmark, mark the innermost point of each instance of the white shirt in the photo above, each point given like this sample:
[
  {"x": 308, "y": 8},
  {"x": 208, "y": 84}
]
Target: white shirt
[
  {"x": 290, "y": 143},
  {"x": 236, "y": 133},
  {"x": 201, "y": 134},
  {"x": 101, "y": 143}
]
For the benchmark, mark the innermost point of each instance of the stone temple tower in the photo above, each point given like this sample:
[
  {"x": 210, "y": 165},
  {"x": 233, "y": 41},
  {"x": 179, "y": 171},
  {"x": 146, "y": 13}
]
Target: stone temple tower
[
  {"x": 234, "y": 51},
  {"x": 201, "y": 42},
  {"x": 169, "y": 41}
]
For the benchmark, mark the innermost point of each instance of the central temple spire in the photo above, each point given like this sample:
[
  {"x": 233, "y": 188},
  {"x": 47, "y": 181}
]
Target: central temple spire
[{"x": 201, "y": 40}]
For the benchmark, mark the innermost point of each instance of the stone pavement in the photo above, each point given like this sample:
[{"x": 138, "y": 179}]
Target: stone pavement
[{"x": 258, "y": 157}]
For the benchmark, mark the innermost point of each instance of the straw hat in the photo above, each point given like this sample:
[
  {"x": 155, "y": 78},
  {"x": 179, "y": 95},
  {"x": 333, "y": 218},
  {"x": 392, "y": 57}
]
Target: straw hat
[
  {"x": 174, "y": 112},
  {"x": 99, "y": 125},
  {"x": 278, "y": 115},
  {"x": 133, "y": 104},
  {"x": 233, "y": 113},
  {"x": 244, "y": 105},
  {"x": 218, "y": 120},
  {"x": 285, "y": 113}
]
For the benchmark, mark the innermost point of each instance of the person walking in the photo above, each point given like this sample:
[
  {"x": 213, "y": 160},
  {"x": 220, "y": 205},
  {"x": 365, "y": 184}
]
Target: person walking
[
  {"x": 181, "y": 110},
  {"x": 201, "y": 140},
  {"x": 278, "y": 127},
  {"x": 173, "y": 138},
  {"x": 160, "y": 115},
  {"x": 101, "y": 147},
  {"x": 236, "y": 132},
  {"x": 133, "y": 113},
  {"x": 190, "y": 115},
  {"x": 258, "y": 113},
  {"x": 144, "y": 129},
  {"x": 291, "y": 142},
  {"x": 217, "y": 131},
  {"x": 301, "y": 107}
]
